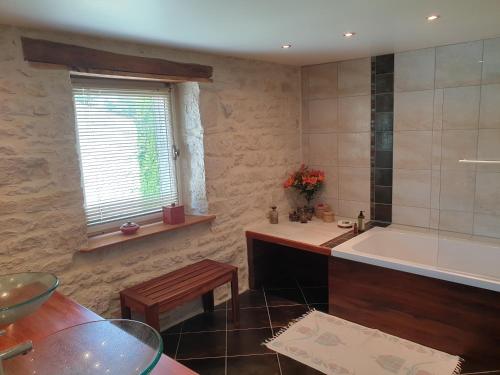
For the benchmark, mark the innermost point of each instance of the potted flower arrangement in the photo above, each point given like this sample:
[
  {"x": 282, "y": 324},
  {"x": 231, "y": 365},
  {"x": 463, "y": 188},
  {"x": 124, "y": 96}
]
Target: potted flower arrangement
[{"x": 307, "y": 181}]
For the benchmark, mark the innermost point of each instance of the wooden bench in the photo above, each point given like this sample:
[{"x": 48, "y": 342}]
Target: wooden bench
[{"x": 166, "y": 292}]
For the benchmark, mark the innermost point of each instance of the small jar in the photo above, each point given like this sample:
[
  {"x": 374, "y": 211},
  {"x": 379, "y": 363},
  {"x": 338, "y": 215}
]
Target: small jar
[
  {"x": 273, "y": 215},
  {"x": 309, "y": 212},
  {"x": 320, "y": 209},
  {"x": 328, "y": 216}
]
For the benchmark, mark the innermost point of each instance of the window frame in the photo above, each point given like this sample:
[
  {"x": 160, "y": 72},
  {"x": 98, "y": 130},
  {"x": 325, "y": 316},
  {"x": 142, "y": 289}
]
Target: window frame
[{"x": 112, "y": 226}]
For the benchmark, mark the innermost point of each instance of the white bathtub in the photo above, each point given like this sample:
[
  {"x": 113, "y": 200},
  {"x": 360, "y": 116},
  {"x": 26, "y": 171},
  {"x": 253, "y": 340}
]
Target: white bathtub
[{"x": 452, "y": 259}]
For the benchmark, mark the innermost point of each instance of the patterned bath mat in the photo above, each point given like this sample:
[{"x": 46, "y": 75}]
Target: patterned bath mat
[{"x": 338, "y": 347}]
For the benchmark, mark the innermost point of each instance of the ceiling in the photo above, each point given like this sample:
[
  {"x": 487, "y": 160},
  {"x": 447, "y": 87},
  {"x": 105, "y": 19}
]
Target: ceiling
[{"x": 257, "y": 28}]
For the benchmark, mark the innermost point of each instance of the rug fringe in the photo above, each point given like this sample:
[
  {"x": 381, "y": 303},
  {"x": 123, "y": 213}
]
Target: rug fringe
[
  {"x": 283, "y": 329},
  {"x": 458, "y": 369}
]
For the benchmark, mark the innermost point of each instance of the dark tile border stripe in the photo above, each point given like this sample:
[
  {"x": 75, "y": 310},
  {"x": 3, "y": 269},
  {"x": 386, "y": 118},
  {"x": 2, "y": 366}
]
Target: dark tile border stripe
[{"x": 381, "y": 152}]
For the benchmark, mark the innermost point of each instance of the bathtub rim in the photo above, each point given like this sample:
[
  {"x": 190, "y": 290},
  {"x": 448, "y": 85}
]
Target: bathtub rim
[{"x": 345, "y": 251}]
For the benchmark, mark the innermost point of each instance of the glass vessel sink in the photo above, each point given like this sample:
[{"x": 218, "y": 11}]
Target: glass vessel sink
[
  {"x": 122, "y": 347},
  {"x": 23, "y": 293}
]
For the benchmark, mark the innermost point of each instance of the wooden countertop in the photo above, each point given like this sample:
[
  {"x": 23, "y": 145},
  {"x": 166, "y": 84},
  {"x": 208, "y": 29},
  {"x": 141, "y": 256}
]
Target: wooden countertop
[
  {"x": 308, "y": 237},
  {"x": 60, "y": 312}
]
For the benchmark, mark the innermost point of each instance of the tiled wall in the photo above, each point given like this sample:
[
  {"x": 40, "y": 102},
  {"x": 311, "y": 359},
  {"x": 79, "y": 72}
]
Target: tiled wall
[
  {"x": 447, "y": 107},
  {"x": 336, "y": 131}
]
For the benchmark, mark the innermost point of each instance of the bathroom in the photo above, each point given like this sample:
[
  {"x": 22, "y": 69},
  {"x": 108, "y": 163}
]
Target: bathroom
[{"x": 396, "y": 103}]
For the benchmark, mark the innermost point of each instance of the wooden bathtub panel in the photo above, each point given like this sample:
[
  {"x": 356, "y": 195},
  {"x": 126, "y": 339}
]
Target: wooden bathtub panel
[{"x": 451, "y": 317}]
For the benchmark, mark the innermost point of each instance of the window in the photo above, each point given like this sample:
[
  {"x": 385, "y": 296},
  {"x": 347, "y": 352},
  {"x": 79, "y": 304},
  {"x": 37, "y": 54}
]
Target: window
[{"x": 126, "y": 145}]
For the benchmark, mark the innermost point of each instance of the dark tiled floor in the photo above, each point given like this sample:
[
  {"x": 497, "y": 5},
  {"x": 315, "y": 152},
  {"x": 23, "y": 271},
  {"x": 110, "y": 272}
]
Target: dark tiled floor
[{"x": 211, "y": 344}]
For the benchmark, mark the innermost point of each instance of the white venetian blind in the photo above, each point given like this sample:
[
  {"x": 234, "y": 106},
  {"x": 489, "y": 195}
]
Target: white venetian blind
[{"x": 126, "y": 151}]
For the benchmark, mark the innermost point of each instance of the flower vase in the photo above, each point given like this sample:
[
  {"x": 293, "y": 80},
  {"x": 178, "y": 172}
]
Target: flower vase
[{"x": 309, "y": 210}]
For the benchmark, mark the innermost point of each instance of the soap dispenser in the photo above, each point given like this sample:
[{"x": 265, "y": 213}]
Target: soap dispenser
[{"x": 361, "y": 222}]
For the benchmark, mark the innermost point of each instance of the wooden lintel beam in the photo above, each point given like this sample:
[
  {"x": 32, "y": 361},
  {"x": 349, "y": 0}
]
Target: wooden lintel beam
[{"x": 83, "y": 59}]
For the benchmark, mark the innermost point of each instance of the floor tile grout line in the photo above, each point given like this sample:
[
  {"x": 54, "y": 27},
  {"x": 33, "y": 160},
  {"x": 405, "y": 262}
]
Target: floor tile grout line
[
  {"x": 261, "y": 307},
  {"x": 271, "y": 324},
  {"x": 279, "y": 363},
  {"x": 229, "y": 330},
  {"x": 178, "y": 341},
  {"x": 229, "y": 356},
  {"x": 303, "y": 295},
  {"x": 268, "y": 313}
]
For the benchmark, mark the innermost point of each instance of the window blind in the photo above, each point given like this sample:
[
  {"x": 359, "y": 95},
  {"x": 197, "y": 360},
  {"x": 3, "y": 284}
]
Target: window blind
[{"x": 126, "y": 151}]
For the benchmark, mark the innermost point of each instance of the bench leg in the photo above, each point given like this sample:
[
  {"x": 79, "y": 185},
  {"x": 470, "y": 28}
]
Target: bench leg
[
  {"x": 235, "y": 297},
  {"x": 126, "y": 313},
  {"x": 208, "y": 301},
  {"x": 152, "y": 317}
]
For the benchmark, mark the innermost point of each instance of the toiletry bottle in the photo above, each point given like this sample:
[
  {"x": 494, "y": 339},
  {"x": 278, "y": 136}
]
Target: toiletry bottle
[
  {"x": 361, "y": 222},
  {"x": 273, "y": 215},
  {"x": 355, "y": 228}
]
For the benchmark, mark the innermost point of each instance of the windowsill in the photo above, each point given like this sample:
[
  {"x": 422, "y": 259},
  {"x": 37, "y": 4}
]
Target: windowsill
[{"x": 109, "y": 239}]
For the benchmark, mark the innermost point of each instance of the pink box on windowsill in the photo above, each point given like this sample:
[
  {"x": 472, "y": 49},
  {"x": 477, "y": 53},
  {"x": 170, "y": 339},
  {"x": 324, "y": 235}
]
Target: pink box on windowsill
[{"x": 173, "y": 214}]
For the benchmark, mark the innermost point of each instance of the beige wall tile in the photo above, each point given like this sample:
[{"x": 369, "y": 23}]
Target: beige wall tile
[
  {"x": 305, "y": 148},
  {"x": 456, "y": 145},
  {"x": 413, "y": 149},
  {"x": 457, "y": 190},
  {"x": 437, "y": 137},
  {"x": 320, "y": 81},
  {"x": 332, "y": 202},
  {"x": 322, "y": 115},
  {"x": 414, "y": 70},
  {"x": 434, "y": 219},
  {"x": 354, "y": 113},
  {"x": 490, "y": 107},
  {"x": 487, "y": 193},
  {"x": 411, "y": 188},
  {"x": 488, "y": 168},
  {"x": 351, "y": 208},
  {"x": 438, "y": 109},
  {"x": 413, "y": 110},
  {"x": 354, "y": 184},
  {"x": 418, "y": 217},
  {"x": 323, "y": 149},
  {"x": 491, "y": 64},
  {"x": 305, "y": 116},
  {"x": 488, "y": 149},
  {"x": 331, "y": 188},
  {"x": 461, "y": 107},
  {"x": 487, "y": 225},
  {"x": 489, "y": 144},
  {"x": 458, "y": 64},
  {"x": 435, "y": 188},
  {"x": 456, "y": 221},
  {"x": 354, "y": 149},
  {"x": 355, "y": 77}
]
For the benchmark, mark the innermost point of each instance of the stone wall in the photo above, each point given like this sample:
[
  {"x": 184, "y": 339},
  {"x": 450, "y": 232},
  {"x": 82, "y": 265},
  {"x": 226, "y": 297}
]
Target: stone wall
[{"x": 250, "y": 118}]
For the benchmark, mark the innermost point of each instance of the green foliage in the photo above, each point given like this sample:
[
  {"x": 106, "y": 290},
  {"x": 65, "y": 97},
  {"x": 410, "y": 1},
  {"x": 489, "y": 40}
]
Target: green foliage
[
  {"x": 142, "y": 114},
  {"x": 143, "y": 117}
]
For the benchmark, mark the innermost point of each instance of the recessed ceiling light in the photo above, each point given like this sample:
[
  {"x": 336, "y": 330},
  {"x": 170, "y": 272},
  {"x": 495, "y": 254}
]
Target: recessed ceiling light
[
  {"x": 286, "y": 46},
  {"x": 349, "y": 34},
  {"x": 433, "y": 17}
]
